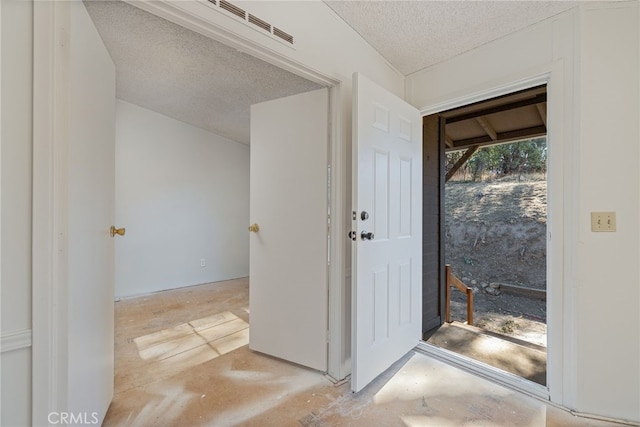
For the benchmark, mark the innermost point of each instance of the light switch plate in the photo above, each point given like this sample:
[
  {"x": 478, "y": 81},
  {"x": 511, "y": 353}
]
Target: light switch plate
[{"x": 603, "y": 221}]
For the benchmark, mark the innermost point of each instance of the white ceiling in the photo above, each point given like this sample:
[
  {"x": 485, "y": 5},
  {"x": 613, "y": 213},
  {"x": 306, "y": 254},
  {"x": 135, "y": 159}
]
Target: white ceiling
[
  {"x": 179, "y": 73},
  {"x": 182, "y": 74},
  {"x": 413, "y": 35}
]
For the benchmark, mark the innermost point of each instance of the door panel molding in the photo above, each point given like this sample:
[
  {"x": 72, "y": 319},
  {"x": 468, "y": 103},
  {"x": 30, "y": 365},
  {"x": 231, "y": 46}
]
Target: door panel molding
[{"x": 387, "y": 178}]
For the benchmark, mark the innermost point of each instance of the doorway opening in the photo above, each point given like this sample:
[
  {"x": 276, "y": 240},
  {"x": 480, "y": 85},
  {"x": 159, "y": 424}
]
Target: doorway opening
[
  {"x": 210, "y": 199},
  {"x": 491, "y": 233}
]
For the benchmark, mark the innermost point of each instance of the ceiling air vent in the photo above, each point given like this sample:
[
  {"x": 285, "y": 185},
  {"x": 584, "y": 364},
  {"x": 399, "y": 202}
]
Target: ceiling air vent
[
  {"x": 252, "y": 19},
  {"x": 233, "y": 9},
  {"x": 284, "y": 36},
  {"x": 260, "y": 23}
]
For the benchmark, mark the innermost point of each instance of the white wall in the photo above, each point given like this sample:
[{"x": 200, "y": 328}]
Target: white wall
[
  {"x": 182, "y": 193},
  {"x": 607, "y": 277},
  {"x": 16, "y": 154},
  {"x": 591, "y": 56}
]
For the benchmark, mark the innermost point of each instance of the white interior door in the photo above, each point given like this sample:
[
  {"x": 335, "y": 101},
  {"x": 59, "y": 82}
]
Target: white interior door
[
  {"x": 90, "y": 208},
  {"x": 387, "y": 282},
  {"x": 288, "y": 288}
]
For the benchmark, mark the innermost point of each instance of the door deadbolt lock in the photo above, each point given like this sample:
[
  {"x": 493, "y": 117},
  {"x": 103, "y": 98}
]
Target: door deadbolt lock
[
  {"x": 364, "y": 215},
  {"x": 366, "y": 235}
]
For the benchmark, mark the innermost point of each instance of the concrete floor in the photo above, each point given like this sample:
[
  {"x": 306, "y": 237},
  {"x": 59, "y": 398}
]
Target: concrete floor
[
  {"x": 519, "y": 357},
  {"x": 182, "y": 360}
]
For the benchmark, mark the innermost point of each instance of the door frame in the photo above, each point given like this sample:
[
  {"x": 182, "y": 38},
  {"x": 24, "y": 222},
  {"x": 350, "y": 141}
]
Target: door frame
[
  {"x": 559, "y": 311},
  {"x": 49, "y": 171},
  {"x": 187, "y": 15},
  {"x": 49, "y": 183}
]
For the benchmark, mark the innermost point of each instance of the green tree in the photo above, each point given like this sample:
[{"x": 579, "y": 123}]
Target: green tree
[
  {"x": 519, "y": 157},
  {"x": 506, "y": 159}
]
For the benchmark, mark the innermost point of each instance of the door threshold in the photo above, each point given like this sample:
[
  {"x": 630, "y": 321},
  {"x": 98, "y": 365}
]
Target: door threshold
[{"x": 485, "y": 371}]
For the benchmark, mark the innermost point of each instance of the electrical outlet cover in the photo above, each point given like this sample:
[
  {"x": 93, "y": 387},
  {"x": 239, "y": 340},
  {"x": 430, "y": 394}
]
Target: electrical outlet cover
[{"x": 603, "y": 221}]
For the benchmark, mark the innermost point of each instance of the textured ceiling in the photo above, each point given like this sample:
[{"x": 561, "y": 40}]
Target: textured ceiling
[
  {"x": 413, "y": 35},
  {"x": 182, "y": 74}
]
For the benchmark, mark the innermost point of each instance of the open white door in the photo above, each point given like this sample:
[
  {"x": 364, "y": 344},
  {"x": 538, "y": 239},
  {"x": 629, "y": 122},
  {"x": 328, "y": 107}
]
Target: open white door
[
  {"x": 387, "y": 202},
  {"x": 90, "y": 122},
  {"x": 288, "y": 288}
]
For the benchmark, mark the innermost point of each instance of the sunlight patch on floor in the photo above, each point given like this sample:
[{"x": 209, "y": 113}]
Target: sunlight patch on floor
[
  {"x": 403, "y": 387},
  {"x": 484, "y": 418},
  {"x": 489, "y": 345},
  {"x": 196, "y": 341},
  {"x": 168, "y": 407},
  {"x": 416, "y": 382},
  {"x": 535, "y": 337},
  {"x": 265, "y": 392}
]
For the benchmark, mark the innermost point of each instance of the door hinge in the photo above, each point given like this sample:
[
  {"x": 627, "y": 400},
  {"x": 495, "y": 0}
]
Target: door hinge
[{"x": 64, "y": 37}]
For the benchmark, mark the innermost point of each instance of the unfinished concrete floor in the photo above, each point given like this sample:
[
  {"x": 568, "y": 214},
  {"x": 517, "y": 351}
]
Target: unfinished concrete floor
[
  {"x": 503, "y": 352},
  {"x": 182, "y": 359}
]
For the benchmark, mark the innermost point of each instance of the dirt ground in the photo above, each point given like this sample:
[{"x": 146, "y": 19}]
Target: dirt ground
[{"x": 496, "y": 234}]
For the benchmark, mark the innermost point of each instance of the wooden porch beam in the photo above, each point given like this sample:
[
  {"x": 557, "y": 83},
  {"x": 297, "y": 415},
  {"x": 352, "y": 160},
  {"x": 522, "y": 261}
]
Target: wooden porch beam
[
  {"x": 451, "y": 118},
  {"x": 487, "y": 128},
  {"x": 461, "y": 161},
  {"x": 503, "y": 137},
  {"x": 448, "y": 141},
  {"x": 542, "y": 110}
]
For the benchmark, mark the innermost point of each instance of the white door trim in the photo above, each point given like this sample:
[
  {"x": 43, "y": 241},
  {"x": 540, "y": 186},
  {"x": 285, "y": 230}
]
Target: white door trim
[
  {"x": 337, "y": 367},
  {"x": 560, "y": 310},
  {"x": 49, "y": 168},
  {"x": 48, "y": 253}
]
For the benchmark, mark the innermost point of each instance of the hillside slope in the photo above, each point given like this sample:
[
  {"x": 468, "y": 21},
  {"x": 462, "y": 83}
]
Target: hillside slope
[{"x": 496, "y": 231}]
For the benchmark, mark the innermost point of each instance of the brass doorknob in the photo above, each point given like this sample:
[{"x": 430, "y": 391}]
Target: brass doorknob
[
  {"x": 254, "y": 228},
  {"x": 118, "y": 231}
]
